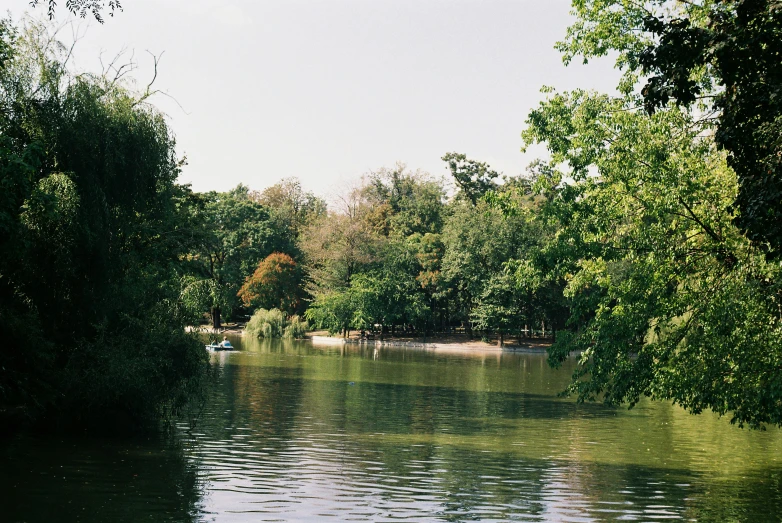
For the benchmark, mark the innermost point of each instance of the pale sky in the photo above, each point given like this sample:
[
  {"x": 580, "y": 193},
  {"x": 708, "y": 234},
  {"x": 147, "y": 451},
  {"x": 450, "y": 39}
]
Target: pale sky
[{"x": 326, "y": 90}]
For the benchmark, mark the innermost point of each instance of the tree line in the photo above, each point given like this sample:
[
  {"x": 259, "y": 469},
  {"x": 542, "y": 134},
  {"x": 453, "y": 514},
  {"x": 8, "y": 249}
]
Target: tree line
[
  {"x": 394, "y": 254},
  {"x": 400, "y": 253}
]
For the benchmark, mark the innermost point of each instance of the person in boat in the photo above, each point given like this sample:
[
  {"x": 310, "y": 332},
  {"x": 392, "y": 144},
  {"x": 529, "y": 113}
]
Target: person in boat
[{"x": 225, "y": 342}]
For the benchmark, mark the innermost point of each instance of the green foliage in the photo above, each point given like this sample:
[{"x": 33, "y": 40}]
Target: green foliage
[
  {"x": 273, "y": 323},
  {"x": 717, "y": 55},
  {"x": 370, "y": 300},
  {"x": 89, "y": 297},
  {"x": 473, "y": 178},
  {"x": 338, "y": 245},
  {"x": 266, "y": 323},
  {"x": 478, "y": 242},
  {"x": 296, "y": 328},
  {"x": 232, "y": 234},
  {"x": 82, "y": 7},
  {"x": 199, "y": 295},
  {"x": 386, "y": 299},
  {"x": 377, "y": 262},
  {"x": 401, "y": 255},
  {"x": 669, "y": 299},
  {"x": 332, "y": 310},
  {"x": 403, "y": 203},
  {"x": 291, "y": 207},
  {"x": 499, "y": 306}
]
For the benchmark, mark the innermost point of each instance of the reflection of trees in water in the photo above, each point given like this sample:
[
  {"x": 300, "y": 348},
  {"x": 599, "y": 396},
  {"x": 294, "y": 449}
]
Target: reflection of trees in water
[
  {"x": 397, "y": 409},
  {"x": 501, "y": 485},
  {"x": 505, "y": 485},
  {"x": 394, "y": 441},
  {"x": 95, "y": 480},
  {"x": 471, "y": 485},
  {"x": 481, "y": 371},
  {"x": 740, "y": 499},
  {"x": 654, "y": 493},
  {"x": 263, "y": 399},
  {"x": 394, "y": 437}
]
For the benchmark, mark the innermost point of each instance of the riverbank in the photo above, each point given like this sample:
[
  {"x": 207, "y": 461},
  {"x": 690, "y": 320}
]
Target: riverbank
[
  {"x": 442, "y": 342},
  {"x": 452, "y": 342}
]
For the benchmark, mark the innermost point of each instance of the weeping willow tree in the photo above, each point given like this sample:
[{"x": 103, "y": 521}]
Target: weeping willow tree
[
  {"x": 274, "y": 323},
  {"x": 92, "y": 227}
]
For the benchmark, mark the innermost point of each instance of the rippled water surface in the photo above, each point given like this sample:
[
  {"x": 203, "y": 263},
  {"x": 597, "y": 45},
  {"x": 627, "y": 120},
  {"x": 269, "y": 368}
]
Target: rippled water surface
[{"x": 298, "y": 433}]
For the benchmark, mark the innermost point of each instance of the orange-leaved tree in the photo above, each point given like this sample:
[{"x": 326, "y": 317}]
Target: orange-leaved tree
[{"x": 274, "y": 284}]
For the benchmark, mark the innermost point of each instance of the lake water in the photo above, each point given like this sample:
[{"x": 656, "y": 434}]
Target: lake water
[{"x": 301, "y": 433}]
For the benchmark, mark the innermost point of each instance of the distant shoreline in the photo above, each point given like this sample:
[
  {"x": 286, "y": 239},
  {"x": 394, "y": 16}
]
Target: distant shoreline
[
  {"x": 440, "y": 342},
  {"x": 435, "y": 343}
]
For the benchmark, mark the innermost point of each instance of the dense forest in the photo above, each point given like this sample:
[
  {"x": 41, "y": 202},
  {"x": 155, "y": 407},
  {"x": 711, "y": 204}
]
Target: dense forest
[{"x": 647, "y": 239}]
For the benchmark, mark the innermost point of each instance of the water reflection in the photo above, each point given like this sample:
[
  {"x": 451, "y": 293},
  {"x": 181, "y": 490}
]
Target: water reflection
[
  {"x": 298, "y": 433},
  {"x": 99, "y": 480}
]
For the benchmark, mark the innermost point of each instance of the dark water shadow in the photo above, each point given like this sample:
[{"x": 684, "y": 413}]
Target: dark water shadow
[{"x": 99, "y": 480}]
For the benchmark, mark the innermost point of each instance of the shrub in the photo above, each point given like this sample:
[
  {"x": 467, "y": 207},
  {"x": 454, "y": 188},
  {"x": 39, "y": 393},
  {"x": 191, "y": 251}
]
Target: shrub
[
  {"x": 273, "y": 323},
  {"x": 296, "y": 328}
]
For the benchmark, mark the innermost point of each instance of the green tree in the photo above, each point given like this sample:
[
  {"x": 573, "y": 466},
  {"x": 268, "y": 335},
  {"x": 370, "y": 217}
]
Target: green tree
[
  {"x": 669, "y": 299},
  {"x": 473, "y": 178},
  {"x": 407, "y": 209},
  {"x": 333, "y": 310},
  {"x": 275, "y": 323},
  {"x": 93, "y": 217},
  {"x": 498, "y": 308},
  {"x": 402, "y": 203},
  {"x": 291, "y": 207},
  {"x": 340, "y": 244},
  {"x": 721, "y": 56},
  {"x": 375, "y": 260},
  {"x": 237, "y": 233},
  {"x": 478, "y": 240}
]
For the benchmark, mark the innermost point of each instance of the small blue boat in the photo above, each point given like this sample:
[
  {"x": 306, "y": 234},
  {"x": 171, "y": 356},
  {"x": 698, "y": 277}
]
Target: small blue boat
[{"x": 223, "y": 345}]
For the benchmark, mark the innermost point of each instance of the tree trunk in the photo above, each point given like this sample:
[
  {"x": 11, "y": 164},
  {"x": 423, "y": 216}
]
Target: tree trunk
[
  {"x": 216, "y": 324},
  {"x": 501, "y": 341}
]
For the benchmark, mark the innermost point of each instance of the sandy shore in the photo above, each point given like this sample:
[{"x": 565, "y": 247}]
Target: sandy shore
[{"x": 453, "y": 342}]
